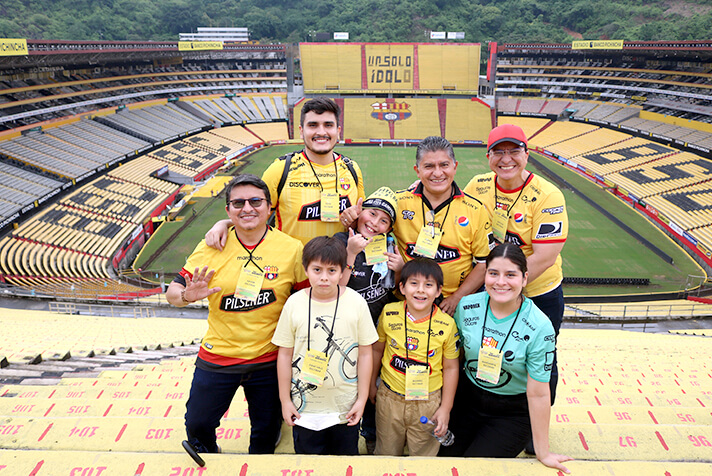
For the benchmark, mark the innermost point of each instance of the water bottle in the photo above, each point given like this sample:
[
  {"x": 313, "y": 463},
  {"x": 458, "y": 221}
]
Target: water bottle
[
  {"x": 389, "y": 280},
  {"x": 446, "y": 440}
]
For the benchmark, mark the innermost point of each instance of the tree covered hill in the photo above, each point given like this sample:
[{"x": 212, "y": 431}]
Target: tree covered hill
[{"x": 365, "y": 20}]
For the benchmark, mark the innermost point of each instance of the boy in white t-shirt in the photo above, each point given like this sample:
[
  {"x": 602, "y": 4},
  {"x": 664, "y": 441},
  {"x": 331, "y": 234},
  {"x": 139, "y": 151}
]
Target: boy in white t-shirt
[{"x": 325, "y": 362}]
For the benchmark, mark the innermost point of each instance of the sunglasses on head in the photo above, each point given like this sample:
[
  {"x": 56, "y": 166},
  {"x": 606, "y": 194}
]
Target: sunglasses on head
[{"x": 239, "y": 203}]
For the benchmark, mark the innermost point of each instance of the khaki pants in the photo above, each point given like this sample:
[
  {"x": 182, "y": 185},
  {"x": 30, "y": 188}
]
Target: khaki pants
[{"x": 398, "y": 424}]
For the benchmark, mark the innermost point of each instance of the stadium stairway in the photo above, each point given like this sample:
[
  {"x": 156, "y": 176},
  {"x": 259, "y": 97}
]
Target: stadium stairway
[{"x": 628, "y": 403}]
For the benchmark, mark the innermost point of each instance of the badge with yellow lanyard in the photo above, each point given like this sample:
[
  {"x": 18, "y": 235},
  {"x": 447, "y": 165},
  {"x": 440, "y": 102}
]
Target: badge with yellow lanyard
[
  {"x": 315, "y": 364},
  {"x": 249, "y": 283},
  {"x": 489, "y": 363},
  {"x": 429, "y": 237},
  {"x": 417, "y": 374},
  {"x": 329, "y": 203}
]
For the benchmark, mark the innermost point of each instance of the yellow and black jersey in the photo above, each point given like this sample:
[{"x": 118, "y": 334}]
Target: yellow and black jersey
[
  {"x": 467, "y": 235},
  {"x": 537, "y": 214},
  {"x": 240, "y": 331},
  {"x": 298, "y": 205},
  {"x": 424, "y": 342}
]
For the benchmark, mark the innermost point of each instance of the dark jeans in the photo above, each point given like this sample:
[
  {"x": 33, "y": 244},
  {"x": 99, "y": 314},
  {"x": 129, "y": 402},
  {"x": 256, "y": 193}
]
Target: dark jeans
[
  {"x": 552, "y": 304},
  {"x": 368, "y": 422},
  {"x": 486, "y": 424},
  {"x": 335, "y": 440},
  {"x": 210, "y": 396}
]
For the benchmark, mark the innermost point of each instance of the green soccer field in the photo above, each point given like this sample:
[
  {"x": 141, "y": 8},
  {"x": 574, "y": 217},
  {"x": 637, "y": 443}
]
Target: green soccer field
[{"x": 596, "y": 247}]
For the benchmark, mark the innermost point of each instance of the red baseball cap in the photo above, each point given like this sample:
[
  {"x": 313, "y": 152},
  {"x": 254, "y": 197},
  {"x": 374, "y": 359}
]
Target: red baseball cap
[{"x": 506, "y": 133}]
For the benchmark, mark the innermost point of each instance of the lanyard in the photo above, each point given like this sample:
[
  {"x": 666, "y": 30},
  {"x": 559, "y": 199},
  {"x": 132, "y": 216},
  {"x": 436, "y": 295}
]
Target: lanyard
[
  {"x": 422, "y": 208},
  {"x": 331, "y": 332},
  {"x": 405, "y": 331},
  {"x": 250, "y": 252},
  {"x": 484, "y": 321},
  {"x": 336, "y": 174},
  {"x": 515, "y": 200}
]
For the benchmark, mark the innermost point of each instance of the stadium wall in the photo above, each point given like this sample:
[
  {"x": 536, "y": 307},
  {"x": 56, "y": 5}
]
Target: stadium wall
[{"x": 690, "y": 124}]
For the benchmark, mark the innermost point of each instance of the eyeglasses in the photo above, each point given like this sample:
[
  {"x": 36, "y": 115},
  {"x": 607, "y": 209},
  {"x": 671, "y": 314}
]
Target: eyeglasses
[
  {"x": 239, "y": 203},
  {"x": 513, "y": 153}
]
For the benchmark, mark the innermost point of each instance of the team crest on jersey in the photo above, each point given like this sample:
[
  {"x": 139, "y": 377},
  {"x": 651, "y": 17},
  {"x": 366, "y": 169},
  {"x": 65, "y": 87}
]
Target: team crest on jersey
[
  {"x": 391, "y": 112},
  {"x": 271, "y": 272},
  {"x": 411, "y": 343},
  {"x": 345, "y": 184},
  {"x": 490, "y": 342}
]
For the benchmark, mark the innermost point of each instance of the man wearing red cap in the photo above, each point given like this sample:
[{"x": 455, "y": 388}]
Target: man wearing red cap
[{"x": 530, "y": 212}]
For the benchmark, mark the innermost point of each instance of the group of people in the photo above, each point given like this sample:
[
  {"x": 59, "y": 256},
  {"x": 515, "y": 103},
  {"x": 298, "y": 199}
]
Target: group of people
[{"x": 330, "y": 327}]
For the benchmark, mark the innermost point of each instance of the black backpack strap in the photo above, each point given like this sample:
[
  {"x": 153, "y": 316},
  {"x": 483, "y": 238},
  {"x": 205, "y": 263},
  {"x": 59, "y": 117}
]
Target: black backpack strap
[
  {"x": 287, "y": 163},
  {"x": 350, "y": 164}
]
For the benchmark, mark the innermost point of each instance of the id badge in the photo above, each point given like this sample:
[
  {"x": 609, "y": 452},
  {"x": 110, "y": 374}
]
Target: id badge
[
  {"x": 249, "y": 284},
  {"x": 500, "y": 220},
  {"x": 428, "y": 241},
  {"x": 489, "y": 365},
  {"x": 416, "y": 382},
  {"x": 375, "y": 250},
  {"x": 314, "y": 368},
  {"x": 329, "y": 206}
]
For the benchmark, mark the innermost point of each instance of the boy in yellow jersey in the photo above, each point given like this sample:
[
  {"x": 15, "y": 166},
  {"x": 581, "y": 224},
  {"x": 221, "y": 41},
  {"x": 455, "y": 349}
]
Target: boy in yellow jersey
[
  {"x": 417, "y": 354},
  {"x": 325, "y": 361},
  {"x": 311, "y": 187}
]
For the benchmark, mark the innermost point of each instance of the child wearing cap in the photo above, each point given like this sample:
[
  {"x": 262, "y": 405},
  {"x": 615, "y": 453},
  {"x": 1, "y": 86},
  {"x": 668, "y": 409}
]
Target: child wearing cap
[{"x": 375, "y": 220}]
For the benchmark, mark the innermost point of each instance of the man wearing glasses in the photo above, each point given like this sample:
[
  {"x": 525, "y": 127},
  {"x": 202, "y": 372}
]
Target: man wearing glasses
[
  {"x": 246, "y": 286},
  {"x": 530, "y": 212}
]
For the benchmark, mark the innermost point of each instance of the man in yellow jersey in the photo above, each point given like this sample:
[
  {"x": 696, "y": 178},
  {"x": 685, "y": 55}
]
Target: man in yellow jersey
[
  {"x": 246, "y": 286},
  {"x": 530, "y": 212},
  {"x": 318, "y": 183},
  {"x": 437, "y": 220}
]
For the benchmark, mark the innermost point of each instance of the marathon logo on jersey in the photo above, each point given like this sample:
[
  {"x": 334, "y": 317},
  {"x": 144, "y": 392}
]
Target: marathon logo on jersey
[
  {"x": 411, "y": 343},
  {"x": 391, "y": 112},
  {"x": 554, "y": 210},
  {"x": 345, "y": 184},
  {"x": 399, "y": 364},
  {"x": 445, "y": 254},
  {"x": 550, "y": 230},
  {"x": 271, "y": 272},
  {"x": 312, "y": 211},
  {"x": 230, "y": 303}
]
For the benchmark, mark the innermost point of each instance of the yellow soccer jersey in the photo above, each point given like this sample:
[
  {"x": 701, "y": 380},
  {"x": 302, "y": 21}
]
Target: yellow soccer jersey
[
  {"x": 240, "y": 331},
  {"x": 537, "y": 214},
  {"x": 392, "y": 330},
  {"x": 298, "y": 207},
  {"x": 467, "y": 235}
]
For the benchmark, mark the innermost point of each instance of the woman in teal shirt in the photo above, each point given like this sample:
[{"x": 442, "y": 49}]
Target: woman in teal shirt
[{"x": 503, "y": 396}]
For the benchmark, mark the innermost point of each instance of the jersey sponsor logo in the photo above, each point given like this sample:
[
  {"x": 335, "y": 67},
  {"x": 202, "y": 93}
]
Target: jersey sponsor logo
[
  {"x": 395, "y": 326},
  {"x": 470, "y": 306},
  {"x": 470, "y": 321},
  {"x": 550, "y": 338},
  {"x": 554, "y": 210},
  {"x": 294, "y": 166},
  {"x": 431, "y": 353},
  {"x": 526, "y": 199},
  {"x": 230, "y": 303},
  {"x": 509, "y": 356},
  {"x": 445, "y": 254},
  {"x": 408, "y": 214},
  {"x": 303, "y": 185},
  {"x": 345, "y": 185},
  {"x": 483, "y": 179},
  {"x": 482, "y": 190},
  {"x": 518, "y": 217},
  {"x": 550, "y": 230},
  {"x": 271, "y": 272},
  {"x": 514, "y": 239},
  {"x": 549, "y": 362},
  {"x": 399, "y": 364},
  {"x": 391, "y": 313},
  {"x": 519, "y": 338},
  {"x": 312, "y": 211},
  {"x": 436, "y": 334},
  {"x": 463, "y": 221},
  {"x": 394, "y": 344}
]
